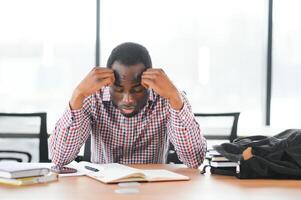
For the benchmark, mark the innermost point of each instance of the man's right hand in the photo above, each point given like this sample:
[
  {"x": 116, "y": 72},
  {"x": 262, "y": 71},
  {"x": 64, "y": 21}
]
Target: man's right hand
[{"x": 94, "y": 81}]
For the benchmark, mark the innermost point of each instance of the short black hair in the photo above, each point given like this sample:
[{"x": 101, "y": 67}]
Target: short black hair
[{"x": 130, "y": 53}]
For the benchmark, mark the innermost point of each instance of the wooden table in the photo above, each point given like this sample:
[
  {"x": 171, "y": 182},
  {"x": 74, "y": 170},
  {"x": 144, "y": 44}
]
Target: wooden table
[{"x": 200, "y": 187}]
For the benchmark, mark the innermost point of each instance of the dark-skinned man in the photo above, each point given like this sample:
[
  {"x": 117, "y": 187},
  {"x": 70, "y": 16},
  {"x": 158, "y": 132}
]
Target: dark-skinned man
[{"x": 132, "y": 111}]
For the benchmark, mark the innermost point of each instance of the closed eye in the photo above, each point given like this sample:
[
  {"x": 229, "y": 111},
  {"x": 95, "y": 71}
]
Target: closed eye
[
  {"x": 117, "y": 88},
  {"x": 138, "y": 89}
]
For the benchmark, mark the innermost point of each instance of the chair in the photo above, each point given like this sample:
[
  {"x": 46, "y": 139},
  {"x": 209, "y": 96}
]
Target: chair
[
  {"x": 23, "y": 128},
  {"x": 219, "y": 126},
  {"x": 215, "y": 126},
  {"x": 17, "y": 156}
]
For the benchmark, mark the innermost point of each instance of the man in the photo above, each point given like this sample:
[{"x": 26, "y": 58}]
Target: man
[{"x": 131, "y": 110}]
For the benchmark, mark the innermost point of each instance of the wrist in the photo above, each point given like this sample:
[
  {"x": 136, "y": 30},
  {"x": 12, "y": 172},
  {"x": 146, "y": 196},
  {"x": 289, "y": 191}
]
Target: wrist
[
  {"x": 77, "y": 99},
  {"x": 176, "y": 101}
]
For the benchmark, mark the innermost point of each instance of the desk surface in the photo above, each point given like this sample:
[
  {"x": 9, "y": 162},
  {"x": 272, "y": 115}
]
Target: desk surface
[{"x": 199, "y": 187}]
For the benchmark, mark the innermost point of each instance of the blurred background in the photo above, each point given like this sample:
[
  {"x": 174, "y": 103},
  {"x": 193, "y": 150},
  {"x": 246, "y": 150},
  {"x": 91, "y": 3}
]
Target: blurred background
[{"x": 222, "y": 53}]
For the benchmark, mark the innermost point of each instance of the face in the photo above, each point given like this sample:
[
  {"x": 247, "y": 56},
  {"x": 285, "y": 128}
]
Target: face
[{"x": 127, "y": 93}]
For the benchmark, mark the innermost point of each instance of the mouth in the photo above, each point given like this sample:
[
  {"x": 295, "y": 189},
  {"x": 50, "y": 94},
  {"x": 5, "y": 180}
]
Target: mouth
[{"x": 127, "y": 110}]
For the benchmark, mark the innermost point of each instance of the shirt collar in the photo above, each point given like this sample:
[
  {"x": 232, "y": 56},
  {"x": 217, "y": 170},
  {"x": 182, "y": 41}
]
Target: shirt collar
[{"x": 107, "y": 97}]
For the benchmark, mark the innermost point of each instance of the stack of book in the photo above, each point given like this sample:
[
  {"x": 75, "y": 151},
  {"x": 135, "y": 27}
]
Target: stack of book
[
  {"x": 14, "y": 173},
  {"x": 220, "y": 164}
]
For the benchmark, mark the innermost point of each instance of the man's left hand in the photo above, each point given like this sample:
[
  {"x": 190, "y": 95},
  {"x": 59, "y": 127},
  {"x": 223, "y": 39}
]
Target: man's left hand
[{"x": 157, "y": 80}]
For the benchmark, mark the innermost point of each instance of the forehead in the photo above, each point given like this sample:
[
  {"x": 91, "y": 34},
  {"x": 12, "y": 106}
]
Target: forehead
[{"x": 125, "y": 74}]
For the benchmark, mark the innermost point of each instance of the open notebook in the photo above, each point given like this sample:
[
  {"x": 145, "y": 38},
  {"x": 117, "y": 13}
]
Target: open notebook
[{"x": 116, "y": 173}]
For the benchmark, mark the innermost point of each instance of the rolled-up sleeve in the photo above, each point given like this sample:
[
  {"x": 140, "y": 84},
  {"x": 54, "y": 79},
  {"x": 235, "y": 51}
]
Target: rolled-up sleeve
[
  {"x": 70, "y": 133},
  {"x": 185, "y": 134}
]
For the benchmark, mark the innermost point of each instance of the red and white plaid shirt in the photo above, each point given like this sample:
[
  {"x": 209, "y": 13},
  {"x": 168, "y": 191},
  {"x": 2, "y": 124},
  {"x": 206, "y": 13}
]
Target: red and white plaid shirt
[{"x": 142, "y": 138}]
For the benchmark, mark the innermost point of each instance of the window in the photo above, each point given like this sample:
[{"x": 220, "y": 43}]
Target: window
[
  {"x": 213, "y": 50},
  {"x": 286, "y": 94},
  {"x": 46, "y": 48}
]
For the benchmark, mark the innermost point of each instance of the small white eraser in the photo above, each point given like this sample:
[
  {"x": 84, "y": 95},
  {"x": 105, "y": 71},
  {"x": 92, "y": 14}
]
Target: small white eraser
[{"x": 127, "y": 191}]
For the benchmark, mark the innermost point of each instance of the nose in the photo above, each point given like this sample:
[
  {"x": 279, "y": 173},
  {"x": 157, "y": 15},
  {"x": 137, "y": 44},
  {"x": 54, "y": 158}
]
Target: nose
[{"x": 127, "y": 98}]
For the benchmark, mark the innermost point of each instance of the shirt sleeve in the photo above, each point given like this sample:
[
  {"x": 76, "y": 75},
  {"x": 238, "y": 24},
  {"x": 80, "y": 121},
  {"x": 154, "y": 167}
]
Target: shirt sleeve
[
  {"x": 70, "y": 133},
  {"x": 185, "y": 134}
]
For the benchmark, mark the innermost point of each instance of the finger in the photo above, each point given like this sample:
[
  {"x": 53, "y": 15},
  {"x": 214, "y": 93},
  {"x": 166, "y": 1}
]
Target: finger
[
  {"x": 149, "y": 76},
  {"x": 152, "y": 70},
  {"x": 112, "y": 80},
  {"x": 99, "y": 77},
  {"x": 105, "y": 82},
  {"x": 103, "y": 74},
  {"x": 144, "y": 84},
  {"x": 148, "y": 82},
  {"x": 102, "y": 69},
  {"x": 109, "y": 81},
  {"x": 152, "y": 73},
  {"x": 149, "y": 71}
]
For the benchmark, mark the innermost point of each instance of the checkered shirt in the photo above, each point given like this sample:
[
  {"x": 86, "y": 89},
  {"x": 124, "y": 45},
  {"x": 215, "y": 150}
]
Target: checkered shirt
[{"x": 142, "y": 138}]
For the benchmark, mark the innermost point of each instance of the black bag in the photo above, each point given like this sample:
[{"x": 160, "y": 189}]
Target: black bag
[{"x": 277, "y": 157}]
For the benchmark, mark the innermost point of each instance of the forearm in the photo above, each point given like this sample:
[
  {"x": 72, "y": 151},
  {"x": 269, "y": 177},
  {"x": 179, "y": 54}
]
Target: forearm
[
  {"x": 71, "y": 131},
  {"x": 186, "y": 136},
  {"x": 176, "y": 101},
  {"x": 77, "y": 100}
]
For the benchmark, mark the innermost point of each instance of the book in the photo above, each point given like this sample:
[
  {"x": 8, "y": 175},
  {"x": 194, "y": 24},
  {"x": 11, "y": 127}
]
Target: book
[
  {"x": 212, "y": 153},
  {"x": 223, "y": 164},
  {"x": 30, "y": 180},
  {"x": 116, "y": 173},
  {"x": 21, "y": 170},
  {"x": 219, "y": 159},
  {"x": 226, "y": 171}
]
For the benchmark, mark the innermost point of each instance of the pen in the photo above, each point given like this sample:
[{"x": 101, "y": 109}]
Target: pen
[{"x": 91, "y": 168}]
